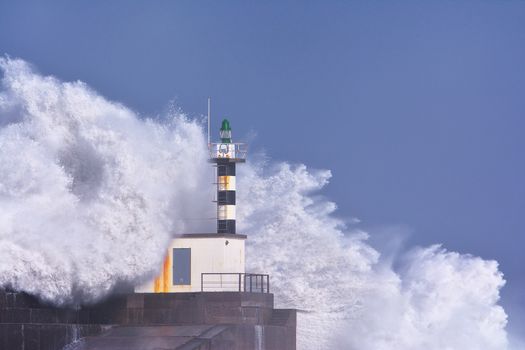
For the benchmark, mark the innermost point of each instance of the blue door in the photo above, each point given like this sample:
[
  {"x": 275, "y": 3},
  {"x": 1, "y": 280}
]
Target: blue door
[{"x": 181, "y": 266}]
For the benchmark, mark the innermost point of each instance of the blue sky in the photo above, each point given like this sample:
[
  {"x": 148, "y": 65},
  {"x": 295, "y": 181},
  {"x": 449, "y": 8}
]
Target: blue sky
[{"x": 418, "y": 108}]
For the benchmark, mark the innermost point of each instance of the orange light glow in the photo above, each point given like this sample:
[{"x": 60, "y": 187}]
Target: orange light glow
[{"x": 162, "y": 283}]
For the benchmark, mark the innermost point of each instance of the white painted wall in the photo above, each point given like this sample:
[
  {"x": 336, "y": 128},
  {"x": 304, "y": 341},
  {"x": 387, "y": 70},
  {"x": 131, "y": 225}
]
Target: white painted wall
[{"x": 208, "y": 254}]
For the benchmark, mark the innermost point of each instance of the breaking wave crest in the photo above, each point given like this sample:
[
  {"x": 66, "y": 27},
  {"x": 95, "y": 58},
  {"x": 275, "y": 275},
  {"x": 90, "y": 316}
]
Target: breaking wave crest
[
  {"x": 350, "y": 298},
  {"x": 90, "y": 193}
]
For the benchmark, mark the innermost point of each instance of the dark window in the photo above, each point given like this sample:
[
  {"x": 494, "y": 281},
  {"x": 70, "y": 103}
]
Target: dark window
[{"x": 181, "y": 266}]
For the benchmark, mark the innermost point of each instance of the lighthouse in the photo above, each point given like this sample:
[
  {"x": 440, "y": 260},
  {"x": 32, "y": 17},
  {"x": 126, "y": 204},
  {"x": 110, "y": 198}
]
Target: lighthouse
[
  {"x": 225, "y": 155},
  {"x": 214, "y": 261}
]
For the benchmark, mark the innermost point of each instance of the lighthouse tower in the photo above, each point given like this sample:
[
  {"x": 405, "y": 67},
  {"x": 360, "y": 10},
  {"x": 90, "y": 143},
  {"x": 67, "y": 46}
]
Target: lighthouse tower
[
  {"x": 208, "y": 262},
  {"x": 226, "y": 155}
]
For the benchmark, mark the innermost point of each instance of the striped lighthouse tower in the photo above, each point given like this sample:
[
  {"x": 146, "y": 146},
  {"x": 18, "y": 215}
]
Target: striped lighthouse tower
[
  {"x": 225, "y": 155},
  {"x": 200, "y": 262}
]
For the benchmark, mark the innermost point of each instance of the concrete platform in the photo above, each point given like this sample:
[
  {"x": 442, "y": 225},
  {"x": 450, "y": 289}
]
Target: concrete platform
[
  {"x": 203, "y": 321},
  {"x": 155, "y": 337}
]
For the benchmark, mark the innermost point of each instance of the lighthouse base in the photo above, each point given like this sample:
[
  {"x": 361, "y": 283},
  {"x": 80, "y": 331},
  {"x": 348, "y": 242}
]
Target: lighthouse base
[{"x": 190, "y": 255}]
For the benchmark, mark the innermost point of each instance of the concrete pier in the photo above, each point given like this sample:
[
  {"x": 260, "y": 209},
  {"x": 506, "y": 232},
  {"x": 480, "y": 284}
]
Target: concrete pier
[{"x": 204, "y": 321}]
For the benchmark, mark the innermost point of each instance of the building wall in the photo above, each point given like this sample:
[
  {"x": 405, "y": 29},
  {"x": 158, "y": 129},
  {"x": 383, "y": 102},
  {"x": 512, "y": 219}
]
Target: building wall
[{"x": 209, "y": 253}]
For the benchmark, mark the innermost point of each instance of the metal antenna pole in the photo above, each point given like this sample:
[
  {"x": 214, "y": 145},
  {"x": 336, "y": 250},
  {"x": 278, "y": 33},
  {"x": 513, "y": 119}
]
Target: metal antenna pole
[
  {"x": 209, "y": 150},
  {"x": 209, "y": 120}
]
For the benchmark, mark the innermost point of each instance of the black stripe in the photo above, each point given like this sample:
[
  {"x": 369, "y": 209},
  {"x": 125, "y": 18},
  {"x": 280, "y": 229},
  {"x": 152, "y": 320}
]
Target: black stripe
[
  {"x": 225, "y": 169},
  {"x": 225, "y": 226},
  {"x": 226, "y": 197}
]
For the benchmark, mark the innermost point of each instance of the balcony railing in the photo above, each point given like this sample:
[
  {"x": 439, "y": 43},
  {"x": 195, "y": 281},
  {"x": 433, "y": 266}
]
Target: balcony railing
[{"x": 235, "y": 282}]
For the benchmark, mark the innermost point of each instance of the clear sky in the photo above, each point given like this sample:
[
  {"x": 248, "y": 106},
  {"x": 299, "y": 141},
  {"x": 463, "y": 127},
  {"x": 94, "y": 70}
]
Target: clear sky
[{"x": 418, "y": 108}]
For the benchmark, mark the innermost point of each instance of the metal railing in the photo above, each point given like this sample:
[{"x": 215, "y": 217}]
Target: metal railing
[{"x": 235, "y": 282}]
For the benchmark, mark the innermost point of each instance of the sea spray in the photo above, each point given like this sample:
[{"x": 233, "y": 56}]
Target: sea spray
[
  {"x": 90, "y": 193},
  {"x": 348, "y": 296}
]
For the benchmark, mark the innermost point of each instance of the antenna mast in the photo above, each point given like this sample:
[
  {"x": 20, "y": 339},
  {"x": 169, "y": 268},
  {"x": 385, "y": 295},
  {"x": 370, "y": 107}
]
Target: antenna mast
[{"x": 209, "y": 120}]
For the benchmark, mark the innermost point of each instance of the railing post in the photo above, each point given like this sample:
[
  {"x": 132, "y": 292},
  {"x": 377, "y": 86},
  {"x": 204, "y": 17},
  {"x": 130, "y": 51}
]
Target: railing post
[
  {"x": 268, "y": 281},
  {"x": 202, "y": 282},
  {"x": 239, "y": 282}
]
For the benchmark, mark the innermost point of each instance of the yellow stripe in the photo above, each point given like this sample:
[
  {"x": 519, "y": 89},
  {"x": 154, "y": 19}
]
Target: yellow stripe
[{"x": 226, "y": 183}]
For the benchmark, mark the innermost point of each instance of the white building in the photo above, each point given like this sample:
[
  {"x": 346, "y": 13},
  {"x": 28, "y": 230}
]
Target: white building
[{"x": 191, "y": 255}]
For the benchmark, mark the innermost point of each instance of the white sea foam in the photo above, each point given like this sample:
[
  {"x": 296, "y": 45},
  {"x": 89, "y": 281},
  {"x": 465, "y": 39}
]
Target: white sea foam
[
  {"x": 352, "y": 299},
  {"x": 90, "y": 192}
]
